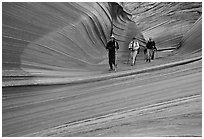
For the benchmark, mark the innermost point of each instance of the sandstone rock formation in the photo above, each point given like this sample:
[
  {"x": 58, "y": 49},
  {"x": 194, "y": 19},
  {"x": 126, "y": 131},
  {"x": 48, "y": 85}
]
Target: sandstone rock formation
[
  {"x": 68, "y": 39},
  {"x": 57, "y": 43},
  {"x": 61, "y": 39},
  {"x": 165, "y": 22}
]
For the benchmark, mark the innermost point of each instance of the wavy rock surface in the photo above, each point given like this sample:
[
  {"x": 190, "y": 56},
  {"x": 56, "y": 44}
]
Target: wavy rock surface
[
  {"x": 192, "y": 41},
  {"x": 57, "y": 40},
  {"x": 167, "y": 22},
  {"x": 68, "y": 39},
  {"x": 61, "y": 39}
]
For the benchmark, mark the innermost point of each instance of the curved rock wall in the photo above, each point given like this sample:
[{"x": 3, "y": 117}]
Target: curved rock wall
[
  {"x": 124, "y": 28},
  {"x": 165, "y": 22},
  {"x": 192, "y": 41},
  {"x": 61, "y": 39}
]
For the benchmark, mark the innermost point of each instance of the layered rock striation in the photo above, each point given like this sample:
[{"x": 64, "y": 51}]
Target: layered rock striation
[
  {"x": 166, "y": 22},
  {"x": 68, "y": 39},
  {"x": 61, "y": 39}
]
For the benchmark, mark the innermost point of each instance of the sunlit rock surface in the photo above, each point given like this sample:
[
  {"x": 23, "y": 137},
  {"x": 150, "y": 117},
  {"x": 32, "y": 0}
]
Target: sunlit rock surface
[
  {"x": 61, "y": 39},
  {"x": 50, "y": 41},
  {"x": 68, "y": 39},
  {"x": 192, "y": 41},
  {"x": 167, "y": 22}
]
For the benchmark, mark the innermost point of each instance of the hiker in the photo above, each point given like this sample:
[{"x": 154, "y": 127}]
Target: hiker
[
  {"x": 150, "y": 45},
  {"x": 134, "y": 50},
  {"x": 112, "y": 48}
]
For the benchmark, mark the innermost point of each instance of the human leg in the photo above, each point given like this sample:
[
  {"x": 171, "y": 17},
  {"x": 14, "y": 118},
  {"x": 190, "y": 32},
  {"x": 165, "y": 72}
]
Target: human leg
[
  {"x": 145, "y": 56},
  {"x": 148, "y": 55},
  {"x": 110, "y": 64},
  {"x": 130, "y": 56},
  {"x": 116, "y": 62},
  {"x": 134, "y": 54},
  {"x": 152, "y": 55},
  {"x": 111, "y": 61}
]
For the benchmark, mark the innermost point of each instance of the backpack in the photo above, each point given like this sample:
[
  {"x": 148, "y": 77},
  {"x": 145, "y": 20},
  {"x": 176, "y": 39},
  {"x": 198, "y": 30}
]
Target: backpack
[
  {"x": 134, "y": 45},
  {"x": 131, "y": 46}
]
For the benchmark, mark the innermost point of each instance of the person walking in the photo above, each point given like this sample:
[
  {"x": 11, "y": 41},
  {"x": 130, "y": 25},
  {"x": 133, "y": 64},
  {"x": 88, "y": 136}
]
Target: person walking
[
  {"x": 112, "y": 48},
  {"x": 134, "y": 49},
  {"x": 150, "y": 45}
]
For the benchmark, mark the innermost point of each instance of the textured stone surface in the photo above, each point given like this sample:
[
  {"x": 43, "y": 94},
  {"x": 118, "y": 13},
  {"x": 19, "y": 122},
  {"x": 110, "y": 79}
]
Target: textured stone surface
[
  {"x": 165, "y": 22},
  {"x": 68, "y": 39},
  {"x": 61, "y": 39}
]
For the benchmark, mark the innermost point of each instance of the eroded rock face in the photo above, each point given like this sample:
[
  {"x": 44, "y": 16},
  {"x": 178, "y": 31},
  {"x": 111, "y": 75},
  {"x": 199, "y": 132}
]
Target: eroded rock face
[
  {"x": 165, "y": 22},
  {"x": 192, "y": 40},
  {"x": 68, "y": 39},
  {"x": 61, "y": 39}
]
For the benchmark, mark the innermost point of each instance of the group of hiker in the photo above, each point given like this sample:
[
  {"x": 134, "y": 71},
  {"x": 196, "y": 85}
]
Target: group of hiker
[{"x": 134, "y": 48}]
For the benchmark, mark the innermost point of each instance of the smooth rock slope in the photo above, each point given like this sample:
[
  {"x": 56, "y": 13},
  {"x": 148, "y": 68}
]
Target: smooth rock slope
[
  {"x": 66, "y": 41},
  {"x": 166, "y": 22},
  {"x": 60, "y": 39}
]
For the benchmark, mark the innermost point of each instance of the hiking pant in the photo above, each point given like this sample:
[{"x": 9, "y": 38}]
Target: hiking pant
[
  {"x": 145, "y": 54},
  {"x": 111, "y": 60},
  {"x": 133, "y": 55},
  {"x": 149, "y": 52},
  {"x": 152, "y": 55}
]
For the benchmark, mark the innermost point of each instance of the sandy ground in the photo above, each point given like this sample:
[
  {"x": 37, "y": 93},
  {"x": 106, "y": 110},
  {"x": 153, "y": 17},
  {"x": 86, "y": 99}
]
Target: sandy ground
[{"x": 160, "y": 103}]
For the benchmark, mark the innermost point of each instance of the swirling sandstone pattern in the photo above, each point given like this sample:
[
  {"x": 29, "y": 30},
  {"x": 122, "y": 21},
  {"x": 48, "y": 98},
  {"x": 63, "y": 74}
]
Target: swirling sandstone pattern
[
  {"x": 168, "y": 22},
  {"x": 61, "y": 39}
]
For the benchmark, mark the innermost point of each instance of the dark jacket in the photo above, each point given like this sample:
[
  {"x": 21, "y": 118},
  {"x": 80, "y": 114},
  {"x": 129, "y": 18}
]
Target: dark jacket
[
  {"x": 112, "y": 46},
  {"x": 150, "y": 45}
]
